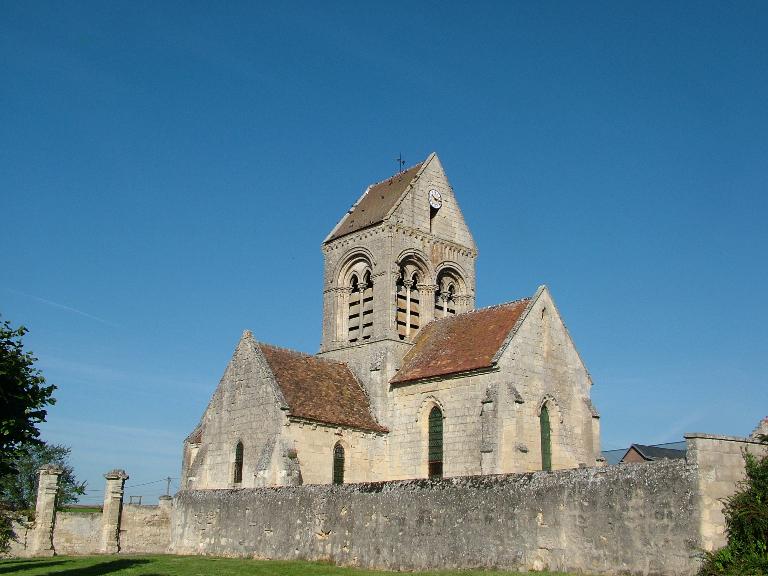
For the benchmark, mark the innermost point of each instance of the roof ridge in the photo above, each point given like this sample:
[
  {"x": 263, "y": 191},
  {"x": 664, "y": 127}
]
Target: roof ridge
[
  {"x": 483, "y": 309},
  {"x": 394, "y": 176},
  {"x": 300, "y": 353}
]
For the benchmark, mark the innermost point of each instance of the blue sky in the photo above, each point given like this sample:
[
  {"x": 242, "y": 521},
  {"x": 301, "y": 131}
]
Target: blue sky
[{"x": 169, "y": 170}]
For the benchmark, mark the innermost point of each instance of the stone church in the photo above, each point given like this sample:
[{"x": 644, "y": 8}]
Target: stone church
[{"x": 411, "y": 380}]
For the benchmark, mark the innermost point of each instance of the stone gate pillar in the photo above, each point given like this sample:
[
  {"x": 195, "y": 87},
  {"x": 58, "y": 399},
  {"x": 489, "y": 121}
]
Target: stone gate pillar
[
  {"x": 45, "y": 510},
  {"x": 113, "y": 508}
]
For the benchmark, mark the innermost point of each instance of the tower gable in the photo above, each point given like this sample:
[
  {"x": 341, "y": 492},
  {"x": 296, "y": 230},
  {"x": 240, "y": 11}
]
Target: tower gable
[{"x": 413, "y": 209}]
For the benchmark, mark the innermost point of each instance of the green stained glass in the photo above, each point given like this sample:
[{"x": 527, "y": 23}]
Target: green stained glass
[
  {"x": 546, "y": 440},
  {"x": 338, "y": 464},
  {"x": 435, "y": 443},
  {"x": 238, "y": 476}
]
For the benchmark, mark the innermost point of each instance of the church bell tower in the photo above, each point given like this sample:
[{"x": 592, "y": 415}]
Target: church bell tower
[{"x": 401, "y": 256}]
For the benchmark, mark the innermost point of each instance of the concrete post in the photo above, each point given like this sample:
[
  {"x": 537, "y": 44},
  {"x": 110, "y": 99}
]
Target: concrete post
[
  {"x": 45, "y": 510},
  {"x": 166, "y": 503},
  {"x": 113, "y": 508}
]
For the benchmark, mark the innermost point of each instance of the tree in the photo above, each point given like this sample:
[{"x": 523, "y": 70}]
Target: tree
[
  {"x": 23, "y": 397},
  {"x": 18, "y": 492},
  {"x": 746, "y": 524}
]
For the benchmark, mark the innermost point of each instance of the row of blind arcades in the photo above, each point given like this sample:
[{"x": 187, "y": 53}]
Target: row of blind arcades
[
  {"x": 434, "y": 451},
  {"x": 408, "y": 303}
]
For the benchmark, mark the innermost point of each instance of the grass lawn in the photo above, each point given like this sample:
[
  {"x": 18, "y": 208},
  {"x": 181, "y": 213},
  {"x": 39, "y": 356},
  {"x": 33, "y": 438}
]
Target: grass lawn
[{"x": 195, "y": 566}]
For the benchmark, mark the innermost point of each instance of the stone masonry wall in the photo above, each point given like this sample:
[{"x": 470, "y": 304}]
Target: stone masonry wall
[
  {"x": 634, "y": 519},
  {"x": 77, "y": 533},
  {"x": 720, "y": 462},
  {"x": 145, "y": 529}
]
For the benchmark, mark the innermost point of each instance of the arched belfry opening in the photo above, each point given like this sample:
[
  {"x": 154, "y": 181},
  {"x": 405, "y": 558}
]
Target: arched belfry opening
[
  {"x": 451, "y": 295},
  {"x": 355, "y": 305},
  {"x": 408, "y": 302}
]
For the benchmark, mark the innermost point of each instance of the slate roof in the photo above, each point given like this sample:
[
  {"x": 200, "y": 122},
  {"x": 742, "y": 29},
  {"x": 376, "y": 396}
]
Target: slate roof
[
  {"x": 656, "y": 453},
  {"x": 460, "y": 343},
  {"x": 321, "y": 390},
  {"x": 375, "y": 203}
]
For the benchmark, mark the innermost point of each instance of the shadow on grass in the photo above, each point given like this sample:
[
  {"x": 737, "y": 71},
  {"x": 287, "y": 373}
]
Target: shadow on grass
[
  {"x": 98, "y": 569},
  {"x": 103, "y": 567},
  {"x": 28, "y": 564}
]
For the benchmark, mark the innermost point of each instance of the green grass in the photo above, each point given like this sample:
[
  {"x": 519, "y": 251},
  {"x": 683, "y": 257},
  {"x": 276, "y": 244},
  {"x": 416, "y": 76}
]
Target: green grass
[{"x": 196, "y": 566}]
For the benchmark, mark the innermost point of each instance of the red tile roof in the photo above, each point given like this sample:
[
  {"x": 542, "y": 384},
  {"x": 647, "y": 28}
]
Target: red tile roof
[
  {"x": 376, "y": 203},
  {"x": 319, "y": 389},
  {"x": 460, "y": 343}
]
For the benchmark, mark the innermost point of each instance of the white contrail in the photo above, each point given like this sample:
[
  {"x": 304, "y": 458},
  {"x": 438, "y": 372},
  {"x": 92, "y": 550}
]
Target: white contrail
[{"x": 64, "y": 307}]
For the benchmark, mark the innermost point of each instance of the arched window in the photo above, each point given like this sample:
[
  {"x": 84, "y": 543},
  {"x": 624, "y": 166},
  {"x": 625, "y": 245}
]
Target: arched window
[
  {"x": 237, "y": 476},
  {"x": 366, "y": 297},
  {"x": 354, "y": 312},
  {"x": 546, "y": 439},
  {"x": 338, "y": 464},
  {"x": 450, "y": 296},
  {"x": 407, "y": 304},
  {"x": 435, "y": 452},
  {"x": 445, "y": 302},
  {"x": 358, "y": 322}
]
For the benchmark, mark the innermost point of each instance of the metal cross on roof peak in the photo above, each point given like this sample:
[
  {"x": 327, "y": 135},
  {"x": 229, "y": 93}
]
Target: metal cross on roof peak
[{"x": 400, "y": 163}]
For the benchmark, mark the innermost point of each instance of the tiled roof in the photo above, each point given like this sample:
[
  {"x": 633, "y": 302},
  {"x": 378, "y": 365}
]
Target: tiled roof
[
  {"x": 460, "y": 343},
  {"x": 376, "y": 203},
  {"x": 320, "y": 390}
]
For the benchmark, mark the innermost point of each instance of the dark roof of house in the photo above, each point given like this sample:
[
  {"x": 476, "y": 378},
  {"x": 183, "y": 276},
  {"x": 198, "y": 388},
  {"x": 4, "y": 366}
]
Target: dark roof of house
[
  {"x": 656, "y": 453},
  {"x": 320, "y": 390},
  {"x": 460, "y": 343},
  {"x": 375, "y": 204}
]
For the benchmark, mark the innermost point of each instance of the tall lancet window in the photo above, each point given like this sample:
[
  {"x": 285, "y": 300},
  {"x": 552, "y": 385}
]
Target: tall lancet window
[
  {"x": 546, "y": 439},
  {"x": 407, "y": 305},
  {"x": 435, "y": 448},
  {"x": 237, "y": 474}
]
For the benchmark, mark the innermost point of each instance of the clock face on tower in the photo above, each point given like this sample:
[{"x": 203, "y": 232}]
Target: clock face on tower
[{"x": 435, "y": 199}]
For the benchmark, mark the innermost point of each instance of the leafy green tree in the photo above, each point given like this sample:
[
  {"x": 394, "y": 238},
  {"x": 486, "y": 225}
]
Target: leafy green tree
[
  {"x": 23, "y": 397},
  {"x": 746, "y": 524},
  {"x": 19, "y": 491}
]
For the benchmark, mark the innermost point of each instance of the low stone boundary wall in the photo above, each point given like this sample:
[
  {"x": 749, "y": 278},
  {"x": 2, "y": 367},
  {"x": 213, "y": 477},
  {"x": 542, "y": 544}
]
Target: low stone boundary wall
[
  {"x": 145, "y": 529},
  {"x": 645, "y": 519},
  {"x": 77, "y": 533},
  {"x": 118, "y": 528},
  {"x": 628, "y": 519}
]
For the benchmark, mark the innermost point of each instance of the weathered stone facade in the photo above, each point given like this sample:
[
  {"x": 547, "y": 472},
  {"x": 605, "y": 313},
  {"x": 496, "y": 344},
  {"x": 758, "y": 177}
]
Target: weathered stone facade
[{"x": 401, "y": 258}]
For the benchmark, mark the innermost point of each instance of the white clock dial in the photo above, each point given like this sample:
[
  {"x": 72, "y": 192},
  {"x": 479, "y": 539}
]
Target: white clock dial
[{"x": 435, "y": 199}]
